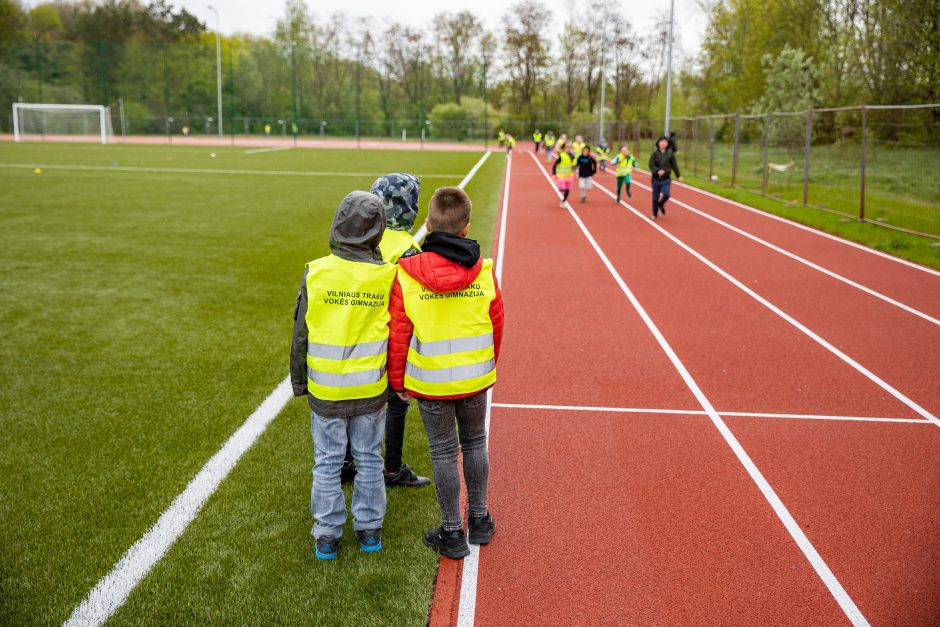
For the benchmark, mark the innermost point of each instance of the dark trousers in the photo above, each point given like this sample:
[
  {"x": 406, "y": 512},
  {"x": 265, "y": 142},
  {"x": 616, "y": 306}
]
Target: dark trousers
[
  {"x": 446, "y": 422},
  {"x": 661, "y": 189},
  {"x": 394, "y": 433}
]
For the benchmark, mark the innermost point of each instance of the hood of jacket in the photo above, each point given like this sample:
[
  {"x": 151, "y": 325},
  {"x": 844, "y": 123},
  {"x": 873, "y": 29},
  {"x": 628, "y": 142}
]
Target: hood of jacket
[
  {"x": 449, "y": 263},
  {"x": 358, "y": 227}
]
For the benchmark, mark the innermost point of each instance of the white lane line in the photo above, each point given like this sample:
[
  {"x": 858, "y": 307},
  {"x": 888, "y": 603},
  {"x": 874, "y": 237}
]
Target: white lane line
[
  {"x": 125, "y": 168},
  {"x": 810, "y": 229},
  {"x": 803, "y": 260},
  {"x": 790, "y": 319},
  {"x": 467, "y": 605},
  {"x": 692, "y": 412},
  {"x": 113, "y": 589},
  {"x": 255, "y": 151},
  {"x": 423, "y": 229},
  {"x": 812, "y": 555}
]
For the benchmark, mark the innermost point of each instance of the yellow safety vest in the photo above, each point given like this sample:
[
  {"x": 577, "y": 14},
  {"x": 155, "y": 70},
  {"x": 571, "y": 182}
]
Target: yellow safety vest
[
  {"x": 537, "y": 137},
  {"x": 347, "y": 328},
  {"x": 395, "y": 244},
  {"x": 565, "y": 165},
  {"x": 602, "y": 155},
  {"x": 550, "y": 141},
  {"x": 451, "y": 351},
  {"x": 577, "y": 147},
  {"x": 625, "y": 165}
]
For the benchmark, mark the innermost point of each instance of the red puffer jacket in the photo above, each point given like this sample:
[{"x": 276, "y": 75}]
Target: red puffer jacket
[{"x": 439, "y": 275}]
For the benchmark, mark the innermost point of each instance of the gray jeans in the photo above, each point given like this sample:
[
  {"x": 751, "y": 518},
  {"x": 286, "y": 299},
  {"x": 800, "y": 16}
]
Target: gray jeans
[{"x": 468, "y": 415}]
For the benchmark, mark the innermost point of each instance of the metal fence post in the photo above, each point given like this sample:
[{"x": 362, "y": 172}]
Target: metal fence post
[
  {"x": 763, "y": 186},
  {"x": 711, "y": 148},
  {"x": 695, "y": 140},
  {"x": 861, "y": 199},
  {"x": 734, "y": 153},
  {"x": 809, "y": 142}
]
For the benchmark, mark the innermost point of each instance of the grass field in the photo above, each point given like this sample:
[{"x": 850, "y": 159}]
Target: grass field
[{"x": 147, "y": 312}]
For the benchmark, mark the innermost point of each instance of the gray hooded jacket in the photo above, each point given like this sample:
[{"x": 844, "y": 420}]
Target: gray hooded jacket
[{"x": 355, "y": 235}]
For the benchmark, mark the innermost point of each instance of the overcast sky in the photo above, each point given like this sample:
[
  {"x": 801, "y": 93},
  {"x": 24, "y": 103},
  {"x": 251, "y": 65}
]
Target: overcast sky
[{"x": 258, "y": 18}]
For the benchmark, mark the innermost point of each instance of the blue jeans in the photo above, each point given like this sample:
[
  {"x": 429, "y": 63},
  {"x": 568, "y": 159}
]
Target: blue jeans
[
  {"x": 661, "y": 188},
  {"x": 327, "y": 501}
]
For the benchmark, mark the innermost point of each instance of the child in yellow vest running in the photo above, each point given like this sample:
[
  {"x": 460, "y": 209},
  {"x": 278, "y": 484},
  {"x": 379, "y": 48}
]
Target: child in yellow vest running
[
  {"x": 578, "y": 144},
  {"x": 563, "y": 170},
  {"x": 337, "y": 360},
  {"x": 446, "y": 329},
  {"x": 624, "y": 163},
  {"x": 553, "y": 154}
]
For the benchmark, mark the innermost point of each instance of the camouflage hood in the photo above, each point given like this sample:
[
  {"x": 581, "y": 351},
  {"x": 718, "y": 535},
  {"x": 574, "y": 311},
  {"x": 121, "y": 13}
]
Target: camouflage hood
[{"x": 399, "y": 195}]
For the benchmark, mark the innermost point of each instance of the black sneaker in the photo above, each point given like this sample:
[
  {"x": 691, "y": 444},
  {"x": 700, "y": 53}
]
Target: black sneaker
[
  {"x": 629, "y": 195},
  {"x": 370, "y": 541},
  {"x": 453, "y": 544},
  {"x": 662, "y": 210},
  {"x": 481, "y": 529},
  {"x": 405, "y": 478},
  {"x": 347, "y": 474},
  {"x": 327, "y": 548}
]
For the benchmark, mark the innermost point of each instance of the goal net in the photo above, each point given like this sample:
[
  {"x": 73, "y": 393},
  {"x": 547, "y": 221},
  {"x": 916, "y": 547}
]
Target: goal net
[{"x": 51, "y": 120}]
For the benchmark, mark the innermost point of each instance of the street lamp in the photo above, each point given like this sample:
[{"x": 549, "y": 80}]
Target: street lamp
[
  {"x": 672, "y": 12},
  {"x": 218, "y": 66}
]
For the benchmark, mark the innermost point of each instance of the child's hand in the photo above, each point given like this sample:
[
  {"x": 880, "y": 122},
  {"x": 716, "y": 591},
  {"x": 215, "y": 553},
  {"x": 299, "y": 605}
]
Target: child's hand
[
  {"x": 403, "y": 396},
  {"x": 679, "y": 179}
]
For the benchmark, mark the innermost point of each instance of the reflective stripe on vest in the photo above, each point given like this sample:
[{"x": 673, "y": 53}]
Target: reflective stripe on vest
[
  {"x": 395, "y": 244},
  {"x": 451, "y": 351},
  {"x": 565, "y": 165},
  {"x": 347, "y": 328}
]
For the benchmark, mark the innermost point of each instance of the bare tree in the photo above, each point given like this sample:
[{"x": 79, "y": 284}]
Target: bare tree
[
  {"x": 526, "y": 50},
  {"x": 454, "y": 38},
  {"x": 571, "y": 41}
]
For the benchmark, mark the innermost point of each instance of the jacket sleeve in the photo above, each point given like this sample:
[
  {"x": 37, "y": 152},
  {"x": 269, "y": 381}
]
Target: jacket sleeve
[
  {"x": 555, "y": 166},
  {"x": 399, "y": 337},
  {"x": 674, "y": 163},
  {"x": 497, "y": 317},
  {"x": 298, "y": 345},
  {"x": 593, "y": 166}
]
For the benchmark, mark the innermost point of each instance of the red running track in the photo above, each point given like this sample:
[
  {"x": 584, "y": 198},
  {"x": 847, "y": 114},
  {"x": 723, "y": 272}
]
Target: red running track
[{"x": 651, "y": 518}]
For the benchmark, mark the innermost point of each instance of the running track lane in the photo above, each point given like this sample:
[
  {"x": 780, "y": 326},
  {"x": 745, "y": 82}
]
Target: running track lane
[
  {"x": 865, "y": 495},
  {"x": 900, "y": 347},
  {"x": 639, "y": 519},
  {"x": 896, "y": 279}
]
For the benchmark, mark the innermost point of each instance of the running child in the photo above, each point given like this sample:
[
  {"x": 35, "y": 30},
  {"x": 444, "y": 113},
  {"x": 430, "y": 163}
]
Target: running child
[
  {"x": 578, "y": 144},
  {"x": 602, "y": 153},
  {"x": 563, "y": 170},
  {"x": 549, "y": 142},
  {"x": 624, "y": 163},
  {"x": 587, "y": 168},
  {"x": 537, "y": 140}
]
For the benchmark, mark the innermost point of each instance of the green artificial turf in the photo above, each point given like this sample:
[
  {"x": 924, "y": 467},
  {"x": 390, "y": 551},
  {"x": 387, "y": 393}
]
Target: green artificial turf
[{"x": 146, "y": 315}]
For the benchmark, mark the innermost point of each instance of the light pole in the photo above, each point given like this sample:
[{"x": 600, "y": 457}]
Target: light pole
[
  {"x": 218, "y": 66},
  {"x": 600, "y": 125},
  {"x": 672, "y": 13}
]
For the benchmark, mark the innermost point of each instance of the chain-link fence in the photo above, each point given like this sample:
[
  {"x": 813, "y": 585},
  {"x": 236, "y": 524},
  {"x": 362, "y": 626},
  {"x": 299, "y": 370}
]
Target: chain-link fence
[{"x": 879, "y": 164}]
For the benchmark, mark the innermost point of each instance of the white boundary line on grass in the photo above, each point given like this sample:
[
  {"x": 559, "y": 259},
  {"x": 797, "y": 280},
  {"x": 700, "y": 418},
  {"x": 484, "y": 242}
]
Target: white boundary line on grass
[
  {"x": 852, "y": 612},
  {"x": 148, "y": 169},
  {"x": 809, "y": 229},
  {"x": 802, "y": 260},
  {"x": 467, "y": 605},
  {"x": 887, "y": 387},
  {"x": 112, "y": 590},
  {"x": 692, "y": 412},
  {"x": 254, "y": 151}
]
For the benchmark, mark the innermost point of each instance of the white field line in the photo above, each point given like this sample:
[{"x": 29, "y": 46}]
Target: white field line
[
  {"x": 692, "y": 412},
  {"x": 819, "y": 565},
  {"x": 423, "y": 229},
  {"x": 810, "y": 229},
  {"x": 787, "y": 317},
  {"x": 126, "y": 168},
  {"x": 467, "y": 605},
  {"x": 254, "y": 151},
  {"x": 803, "y": 260},
  {"x": 113, "y": 589}
]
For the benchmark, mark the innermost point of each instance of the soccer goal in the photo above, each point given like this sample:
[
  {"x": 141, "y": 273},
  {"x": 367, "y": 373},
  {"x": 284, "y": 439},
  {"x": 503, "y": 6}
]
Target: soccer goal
[{"x": 92, "y": 121}]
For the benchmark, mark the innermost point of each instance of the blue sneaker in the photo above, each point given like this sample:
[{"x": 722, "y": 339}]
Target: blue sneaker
[
  {"x": 370, "y": 540},
  {"x": 327, "y": 547}
]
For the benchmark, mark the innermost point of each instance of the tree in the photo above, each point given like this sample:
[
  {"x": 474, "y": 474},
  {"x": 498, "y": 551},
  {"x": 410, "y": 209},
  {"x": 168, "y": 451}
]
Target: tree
[
  {"x": 790, "y": 83},
  {"x": 455, "y": 36},
  {"x": 526, "y": 50}
]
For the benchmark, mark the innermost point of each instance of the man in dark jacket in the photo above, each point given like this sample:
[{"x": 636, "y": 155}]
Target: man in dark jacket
[{"x": 662, "y": 164}]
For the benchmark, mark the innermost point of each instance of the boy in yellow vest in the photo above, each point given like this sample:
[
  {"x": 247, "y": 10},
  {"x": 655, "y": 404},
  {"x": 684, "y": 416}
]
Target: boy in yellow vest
[
  {"x": 624, "y": 163},
  {"x": 446, "y": 328},
  {"x": 338, "y": 360}
]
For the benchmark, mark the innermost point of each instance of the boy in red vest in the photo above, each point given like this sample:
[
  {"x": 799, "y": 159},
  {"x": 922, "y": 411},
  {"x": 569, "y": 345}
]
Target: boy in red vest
[{"x": 445, "y": 331}]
